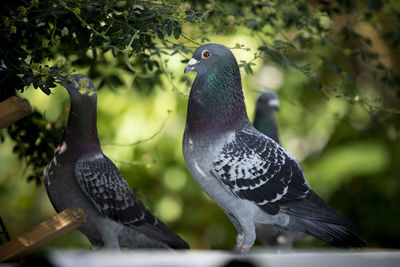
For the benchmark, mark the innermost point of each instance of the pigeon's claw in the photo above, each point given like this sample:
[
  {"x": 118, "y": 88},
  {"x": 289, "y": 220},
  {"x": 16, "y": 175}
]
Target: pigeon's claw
[{"x": 240, "y": 249}]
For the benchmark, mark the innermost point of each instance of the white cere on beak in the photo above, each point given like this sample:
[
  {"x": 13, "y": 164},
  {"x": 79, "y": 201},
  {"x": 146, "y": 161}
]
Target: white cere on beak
[
  {"x": 192, "y": 62},
  {"x": 273, "y": 103},
  {"x": 190, "y": 65}
]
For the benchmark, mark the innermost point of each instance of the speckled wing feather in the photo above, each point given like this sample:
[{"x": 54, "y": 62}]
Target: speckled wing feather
[
  {"x": 103, "y": 183},
  {"x": 256, "y": 168}
]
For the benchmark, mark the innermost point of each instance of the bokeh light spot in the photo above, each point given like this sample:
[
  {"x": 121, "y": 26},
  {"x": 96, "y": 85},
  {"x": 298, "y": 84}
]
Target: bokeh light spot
[
  {"x": 175, "y": 178},
  {"x": 168, "y": 209}
]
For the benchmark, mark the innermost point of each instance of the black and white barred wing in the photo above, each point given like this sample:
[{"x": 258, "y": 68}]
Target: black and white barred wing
[
  {"x": 104, "y": 185},
  {"x": 254, "y": 167}
]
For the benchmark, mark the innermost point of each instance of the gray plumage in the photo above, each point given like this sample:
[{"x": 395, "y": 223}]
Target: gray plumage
[
  {"x": 81, "y": 176},
  {"x": 249, "y": 175},
  {"x": 264, "y": 121}
]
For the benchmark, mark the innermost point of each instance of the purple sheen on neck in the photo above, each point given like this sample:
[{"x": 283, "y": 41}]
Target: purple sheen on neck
[
  {"x": 80, "y": 135},
  {"x": 203, "y": 120},
  {"x": 72, "y": 150},
  {"x": 216, "y": 101}
]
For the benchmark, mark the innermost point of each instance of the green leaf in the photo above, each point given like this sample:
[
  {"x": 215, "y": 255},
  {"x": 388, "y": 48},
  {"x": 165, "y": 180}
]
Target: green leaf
[
  {"x": 45, "y": 90},
  {"x": 170, "y": 26},
  {"x": 177, "y": 31},
  {"x": 160, "y": 34}
]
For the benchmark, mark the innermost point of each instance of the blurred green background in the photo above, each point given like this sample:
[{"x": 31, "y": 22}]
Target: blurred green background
[{"x": 349, "y": 151}]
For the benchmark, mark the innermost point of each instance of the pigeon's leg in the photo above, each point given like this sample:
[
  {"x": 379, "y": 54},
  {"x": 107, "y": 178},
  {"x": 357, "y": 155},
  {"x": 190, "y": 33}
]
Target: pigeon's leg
[
  {"x": 239, "y": 243},
  {"x": 96, "y": 244},
  {"x": 110, "y": 240},
  {"x": 109, "y": 231},
  {"x": 240, "y": 236},
  {"x": 246, "y": 235},
  {"x": 249, "y": 236}
]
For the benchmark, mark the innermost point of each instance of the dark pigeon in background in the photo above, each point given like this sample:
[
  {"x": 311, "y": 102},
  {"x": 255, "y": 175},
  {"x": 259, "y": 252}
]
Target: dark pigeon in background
[
  {"x": 249, "y": 175},
  {"x": 81, "y": 176},
  {"x": 264, "y": 121}
]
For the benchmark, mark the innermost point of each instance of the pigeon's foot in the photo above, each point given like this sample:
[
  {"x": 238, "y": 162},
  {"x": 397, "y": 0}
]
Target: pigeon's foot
[
  {"x": 240, "y": 249},
  {"x": 96, "y": 248}
]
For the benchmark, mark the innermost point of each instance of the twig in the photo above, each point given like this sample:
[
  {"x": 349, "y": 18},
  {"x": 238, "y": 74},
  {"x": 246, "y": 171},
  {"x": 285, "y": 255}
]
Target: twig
[
  {"x": 190, "y": 40},
  {"x": 135, "y": 162},
  {"x": 82, "y": 21},
  {"x": 143, "y": 140},
  {"x": 127, "y": 53}
]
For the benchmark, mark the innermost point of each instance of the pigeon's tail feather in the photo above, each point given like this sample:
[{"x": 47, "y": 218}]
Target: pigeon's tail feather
[
  {"x": 314, "y": 208},
  {"x": 337, "y": 235},
  {"x": 160, "y": 231},
  {"x": 313, "y": 216},
  {"x": 174, "y": 241}
]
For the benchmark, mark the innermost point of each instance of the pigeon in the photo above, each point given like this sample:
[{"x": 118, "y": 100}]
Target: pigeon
[
  {"x": 246, "y": 173},
  {"x": 81, "y": 176},
  {"x": 264, "y": 121}
]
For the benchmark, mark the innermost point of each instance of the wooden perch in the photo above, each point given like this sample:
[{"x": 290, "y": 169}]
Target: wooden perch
[
  {"x": 42, "y": 234},
  {"x": 4, "y": 230},
  {"x": 13, "y": 109}
]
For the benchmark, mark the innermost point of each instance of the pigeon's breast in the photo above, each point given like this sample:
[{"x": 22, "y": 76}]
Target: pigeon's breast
[
  {"x": 199, "y": 155},
  {"x": 64, "y": 192},
  {"x": 200, "y": 152}
]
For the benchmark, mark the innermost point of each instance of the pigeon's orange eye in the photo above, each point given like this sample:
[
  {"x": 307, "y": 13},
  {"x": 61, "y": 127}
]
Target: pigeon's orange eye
[{"x": 206, "y": 54}]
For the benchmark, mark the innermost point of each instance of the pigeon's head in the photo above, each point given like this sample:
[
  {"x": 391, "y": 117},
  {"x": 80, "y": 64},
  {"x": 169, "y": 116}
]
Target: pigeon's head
[
  {"x": 268, "y": 100},
  {"x": 79, "y": 87},
  {"x": 208, "y": 56}
]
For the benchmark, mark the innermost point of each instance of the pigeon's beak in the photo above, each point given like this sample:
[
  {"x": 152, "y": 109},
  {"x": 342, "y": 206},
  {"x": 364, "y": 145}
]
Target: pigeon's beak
[
  {"x": 191, "y": 65},
  {"x": 274, "y": 103}
]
